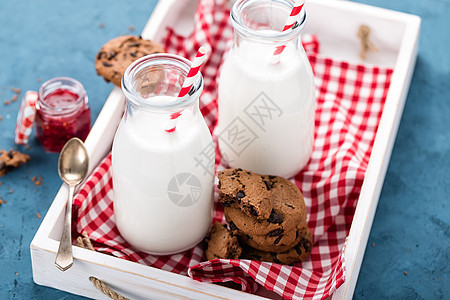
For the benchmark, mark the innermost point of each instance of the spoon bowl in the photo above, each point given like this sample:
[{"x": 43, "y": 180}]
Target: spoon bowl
[
  {"x": 73, "y": 165},
  {"x": 73, "y": 162}
]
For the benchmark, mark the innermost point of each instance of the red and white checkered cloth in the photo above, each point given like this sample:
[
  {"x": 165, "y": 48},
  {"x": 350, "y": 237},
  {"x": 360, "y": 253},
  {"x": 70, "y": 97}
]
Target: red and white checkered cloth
[
  {"x": 25, "y": 118},
  {"x": 350, "y": 102}
]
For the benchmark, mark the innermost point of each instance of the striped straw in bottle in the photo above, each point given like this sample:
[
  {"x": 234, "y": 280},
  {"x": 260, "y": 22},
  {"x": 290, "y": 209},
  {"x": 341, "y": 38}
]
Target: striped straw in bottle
[
  {"x": 298, "y": 6},
  {"x": 187, "y": 85}
]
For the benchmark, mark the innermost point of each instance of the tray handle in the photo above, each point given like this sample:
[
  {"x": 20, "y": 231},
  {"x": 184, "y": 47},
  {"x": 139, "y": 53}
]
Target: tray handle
[{"x": 105, "y": 289}]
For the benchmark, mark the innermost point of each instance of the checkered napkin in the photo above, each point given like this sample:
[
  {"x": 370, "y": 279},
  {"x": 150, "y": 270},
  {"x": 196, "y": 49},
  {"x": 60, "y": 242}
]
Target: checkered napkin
[
  {"x": 350, "y": 102},
  {"x": 25, "y": 118}
]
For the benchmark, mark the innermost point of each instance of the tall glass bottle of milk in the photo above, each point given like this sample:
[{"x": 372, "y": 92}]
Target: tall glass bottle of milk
[
  {"x": 162, "y": 179},
  {"x": 266, "y": 100}
]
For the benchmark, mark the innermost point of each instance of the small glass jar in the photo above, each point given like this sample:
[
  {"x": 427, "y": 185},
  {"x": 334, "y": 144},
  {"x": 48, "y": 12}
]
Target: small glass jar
[
  {"x": 266, "y": 100},
  {"x": 62, "y": 112},
  {"x": 163, "y": 179}
]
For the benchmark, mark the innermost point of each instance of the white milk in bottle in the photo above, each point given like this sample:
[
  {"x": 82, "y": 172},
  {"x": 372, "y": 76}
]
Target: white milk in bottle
[
  {"x": 266, "y": 104},
  {"x": 162, "y": 181}
]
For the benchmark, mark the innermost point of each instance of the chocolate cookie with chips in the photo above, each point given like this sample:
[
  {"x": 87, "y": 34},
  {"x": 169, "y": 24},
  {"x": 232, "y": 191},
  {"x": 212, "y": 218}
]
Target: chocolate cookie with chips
[
  {"x": 222, "y": 243},
  {"x": 288, "y": 213},
  {"x": 247, "y": 191},
  {"x": 298, "y": 253},
  {"x": 10, "y": 160},
  {"x": 276, "y": 241},
  {"x": 117, "y": 54}
]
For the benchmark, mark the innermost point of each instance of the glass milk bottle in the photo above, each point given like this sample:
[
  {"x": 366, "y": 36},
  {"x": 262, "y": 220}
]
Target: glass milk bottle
[
  {"x": 162, "y": 181},
  {"x": 266, "y": 101}
]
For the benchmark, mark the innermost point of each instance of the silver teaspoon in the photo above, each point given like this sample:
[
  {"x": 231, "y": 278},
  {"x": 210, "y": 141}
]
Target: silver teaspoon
[{"x": 73, "y": 166}]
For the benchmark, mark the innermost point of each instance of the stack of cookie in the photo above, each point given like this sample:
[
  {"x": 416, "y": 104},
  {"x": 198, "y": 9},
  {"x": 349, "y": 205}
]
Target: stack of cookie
[{"x": 267, "y": 214}]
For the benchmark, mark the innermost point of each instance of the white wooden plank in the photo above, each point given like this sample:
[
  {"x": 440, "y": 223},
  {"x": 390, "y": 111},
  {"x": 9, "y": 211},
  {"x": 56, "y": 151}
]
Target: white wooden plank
[
  {"x": 381, "y": 153},
  {"x": 131, "y": 279}
]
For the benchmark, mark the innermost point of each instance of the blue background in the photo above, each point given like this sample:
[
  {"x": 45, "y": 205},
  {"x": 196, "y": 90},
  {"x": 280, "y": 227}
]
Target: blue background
[{"x": 411, "y": 230}]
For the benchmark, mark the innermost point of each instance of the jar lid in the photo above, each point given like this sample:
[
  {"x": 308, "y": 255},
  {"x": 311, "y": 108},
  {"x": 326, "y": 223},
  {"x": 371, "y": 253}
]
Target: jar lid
[{"x": 25, "y": 118}]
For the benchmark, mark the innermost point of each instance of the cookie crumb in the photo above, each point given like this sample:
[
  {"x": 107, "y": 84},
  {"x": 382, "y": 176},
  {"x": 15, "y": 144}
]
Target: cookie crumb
[
  {"x": 131, "y": 28},
  {"x": 404, "y": 272},
  {"x": 1, "y": 226},
  {"x": 37, "y": 180},
  {"x": 14, "y": 98},
  {"x": 17, "y": 273},
  {"x": 7, "y": 102},
  {"x": 373, "y": 244},
  {"x": 1, "y": 118},
  {"x": 11, "y": 191},
  {"x": 27, "y": 147},
  {"x": 101, "y": 25},
  {"x": 16, "y": 90},
  {"x": 39, "y": 79},
  {"x": 1, "y": 202},
  {"x": 38, "y": 215}
]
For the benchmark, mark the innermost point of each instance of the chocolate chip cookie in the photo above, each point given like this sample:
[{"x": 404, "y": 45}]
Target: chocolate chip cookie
[
  {"x": 117, "y": 54},
  {"x": 10, "y": 160},
  {"x": 276, "y": 241},
  {"x": 295, "y": 254},
  {"x": 222, "y": 243},
  {"x": 246, "y": 191},
  {"x": 288, "y": 212}
]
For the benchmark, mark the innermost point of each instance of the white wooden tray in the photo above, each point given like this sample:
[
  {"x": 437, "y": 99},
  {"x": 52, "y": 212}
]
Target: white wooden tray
[{"x": 336, "y": 24}]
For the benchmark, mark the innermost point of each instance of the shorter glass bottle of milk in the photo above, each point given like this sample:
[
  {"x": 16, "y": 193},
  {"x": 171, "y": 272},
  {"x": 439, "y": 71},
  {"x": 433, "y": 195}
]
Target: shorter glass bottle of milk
[
  {"x": 162, "y": 181},
  {"x": 266, "y": 100}
]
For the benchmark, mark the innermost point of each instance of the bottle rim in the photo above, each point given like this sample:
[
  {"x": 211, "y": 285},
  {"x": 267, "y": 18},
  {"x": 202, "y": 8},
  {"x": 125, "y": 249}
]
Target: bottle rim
[
  {"x": 66, "y": 83},
  {"x": 266, "y": 36},
  {"x": 134, "y": 98}
]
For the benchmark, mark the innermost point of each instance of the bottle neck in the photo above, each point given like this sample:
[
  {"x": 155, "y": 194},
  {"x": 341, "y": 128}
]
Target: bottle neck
[
  {"x": 263, "y": 21},
  {"x": 259, "y": 39},
  {"x": 165, "y": 110},
  {"x": 155, "y": 123},
  {"x": 152, "y": 84},
  {"x": 248, "y": 46}
]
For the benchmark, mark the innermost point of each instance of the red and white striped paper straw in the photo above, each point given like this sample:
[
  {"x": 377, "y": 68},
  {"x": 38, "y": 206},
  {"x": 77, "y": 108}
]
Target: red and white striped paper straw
[
  {"x": 187, "y": 85},
  {"x": 298, "y": 6}
]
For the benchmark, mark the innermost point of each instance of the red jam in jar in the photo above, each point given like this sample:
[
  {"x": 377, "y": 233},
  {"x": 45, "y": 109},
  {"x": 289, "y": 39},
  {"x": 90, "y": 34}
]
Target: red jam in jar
[{"x": 62, "y": 112}]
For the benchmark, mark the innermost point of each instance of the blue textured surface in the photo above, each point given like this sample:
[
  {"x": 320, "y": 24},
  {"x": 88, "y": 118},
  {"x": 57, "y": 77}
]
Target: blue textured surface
[{"x": 45, "y": 39}]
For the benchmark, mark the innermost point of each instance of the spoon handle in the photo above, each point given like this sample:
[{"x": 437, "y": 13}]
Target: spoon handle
[{"x": 64, "y": 258}]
